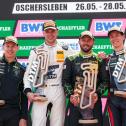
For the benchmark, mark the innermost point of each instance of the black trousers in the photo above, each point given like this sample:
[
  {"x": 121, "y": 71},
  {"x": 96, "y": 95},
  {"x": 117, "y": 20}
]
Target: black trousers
[
  {"x": 117, "y": 111},
  {"x": 9, "y": 117},
  {"x": 73, "y": 115}
]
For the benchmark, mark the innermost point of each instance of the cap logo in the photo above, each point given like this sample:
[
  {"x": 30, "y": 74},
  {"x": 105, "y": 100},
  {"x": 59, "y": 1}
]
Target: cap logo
[{"x": 47, "y": 24}]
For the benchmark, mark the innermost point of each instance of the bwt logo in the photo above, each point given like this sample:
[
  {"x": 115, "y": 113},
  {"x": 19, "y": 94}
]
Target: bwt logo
[
  {"x": 31, "y": 27},
  {"x": 105, "y": 26}
]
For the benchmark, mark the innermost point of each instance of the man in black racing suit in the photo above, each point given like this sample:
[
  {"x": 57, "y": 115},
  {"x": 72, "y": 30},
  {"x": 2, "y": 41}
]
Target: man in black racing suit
[
  {"x": 13, "y": 102},
  {"x": 117, "y": 92},
  {"x": 73, "y": 74}
]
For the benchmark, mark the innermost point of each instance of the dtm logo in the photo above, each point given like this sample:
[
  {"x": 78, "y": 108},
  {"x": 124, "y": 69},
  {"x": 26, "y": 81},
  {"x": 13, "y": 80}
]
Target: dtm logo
[
  {"x": 105, "y": 26},
  {"x": 32, "y": 27},
  {"x": 118, "y": 67}
]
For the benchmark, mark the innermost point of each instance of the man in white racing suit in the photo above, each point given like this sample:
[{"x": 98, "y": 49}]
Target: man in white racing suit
[{"x": 48, "y": 79}]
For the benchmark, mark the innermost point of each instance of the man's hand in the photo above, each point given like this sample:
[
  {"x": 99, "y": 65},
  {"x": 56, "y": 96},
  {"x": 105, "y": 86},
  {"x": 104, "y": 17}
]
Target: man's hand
[
  {"x": 75, "y": 100},
  {"x": 94, "y": 98},
  {"x": 101, "y": 55},
  {"x": 32, "y": 97},
  {"x": 22, "y": 122},
  {"x": 120, "y": 93}
]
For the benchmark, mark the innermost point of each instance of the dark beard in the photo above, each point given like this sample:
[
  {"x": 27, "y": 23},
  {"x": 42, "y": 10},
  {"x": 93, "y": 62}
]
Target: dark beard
[{"x": 86, "y": 50}]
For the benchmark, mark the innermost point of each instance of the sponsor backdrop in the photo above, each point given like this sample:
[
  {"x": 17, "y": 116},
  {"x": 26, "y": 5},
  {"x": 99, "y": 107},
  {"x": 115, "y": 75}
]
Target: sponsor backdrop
[{"x": 24, "y": 19}]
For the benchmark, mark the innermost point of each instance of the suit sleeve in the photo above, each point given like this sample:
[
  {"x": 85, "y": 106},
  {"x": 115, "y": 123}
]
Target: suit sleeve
[
  {"x": 23, "y": 100},
  {"x": 27, "y": 84},
  {"x": 103, "y": 77},
  {"x": 23, "y": 103},
  {"x": 67, "y": 78}
]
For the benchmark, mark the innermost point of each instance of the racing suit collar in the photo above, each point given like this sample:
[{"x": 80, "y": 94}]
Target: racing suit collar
[
  {"x": 83, "y": 54},
  {"x": 5, "y": 60},
  {"x": 119, "y": 52},
  {"x": 51, "y": 45}
]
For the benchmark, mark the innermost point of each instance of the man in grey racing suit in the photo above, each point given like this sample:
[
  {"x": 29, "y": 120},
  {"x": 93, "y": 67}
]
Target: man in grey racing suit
[{"x": 48, "y": 77}]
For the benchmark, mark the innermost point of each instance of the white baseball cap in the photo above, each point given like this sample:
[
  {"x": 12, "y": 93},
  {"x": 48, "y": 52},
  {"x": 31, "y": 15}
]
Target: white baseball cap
[
  {"x": 11, "y": 39},
  {"x": 115, "y": 28},
  {"x": 86, "y": 33}
]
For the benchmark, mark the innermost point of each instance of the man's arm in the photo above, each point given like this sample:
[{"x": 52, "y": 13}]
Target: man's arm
[
  {"x": 22, "y": 122},
  {"x": 23, "y": 104},
  {"x": 27, "y": 85},
  {"x": 103, "y": 77},
  {"x": 67, "y": 78}
]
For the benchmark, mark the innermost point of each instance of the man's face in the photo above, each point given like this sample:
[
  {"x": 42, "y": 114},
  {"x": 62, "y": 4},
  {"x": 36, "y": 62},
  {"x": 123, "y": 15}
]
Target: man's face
[
  {"x": 10, "y": 49},
  {"x": 116, "y": 39},
  {"x": 86, "y": 43},
  {"x": 50, "y": 35}
]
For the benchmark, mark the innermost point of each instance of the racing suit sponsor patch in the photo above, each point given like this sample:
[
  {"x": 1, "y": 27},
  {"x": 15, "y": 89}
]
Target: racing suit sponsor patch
[
  {"x": 60, "y": 56},
  {"x": 51, "y": 72}
]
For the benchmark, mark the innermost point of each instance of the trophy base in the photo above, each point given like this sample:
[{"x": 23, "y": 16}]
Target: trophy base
[
  {"x": 2, "y": 102},
  {"x": 41, "y": 98},
  {"x": 88, "y": 121},
  {"x": 120, "y": 93}
]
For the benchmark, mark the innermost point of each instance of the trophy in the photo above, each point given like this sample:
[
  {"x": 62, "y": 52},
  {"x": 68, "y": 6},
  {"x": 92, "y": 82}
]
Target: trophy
[
  {"x": 39, "y": 66},
  {"x": 119, "y": 74},
  {"x": 84, "y": 91}
]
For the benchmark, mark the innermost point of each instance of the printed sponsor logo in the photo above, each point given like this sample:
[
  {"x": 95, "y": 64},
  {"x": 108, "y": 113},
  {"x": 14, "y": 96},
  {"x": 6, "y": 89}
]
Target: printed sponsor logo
[
  {"x": 6, "y": 28},
  {"x": 72, "y": 27},
  {"x": 100, "y": 27},
  {"x": 29, "y": 28},
  {"x": 102, "y": 44},
  {"x": 52, "y": 71},
  {"x": 26, "y": 45},
  {"x": 71, "y": 43}
]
